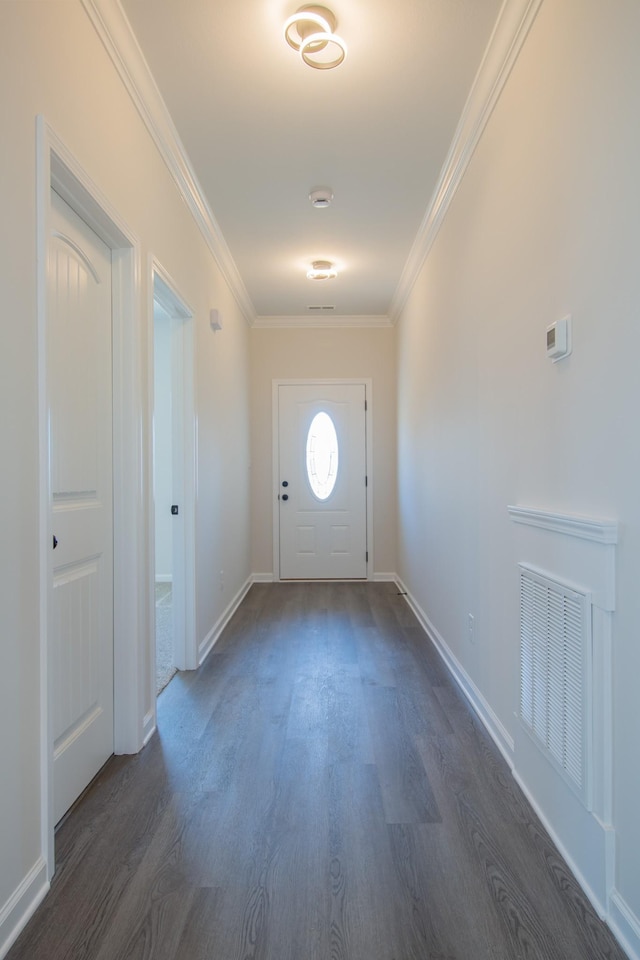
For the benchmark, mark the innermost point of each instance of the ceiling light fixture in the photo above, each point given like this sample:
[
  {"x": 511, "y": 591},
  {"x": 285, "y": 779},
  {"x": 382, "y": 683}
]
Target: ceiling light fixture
[
  {"x": 321, "y": 197},
  {"x": 310, "y": 32},
  {"x": 322, "y": 270}
]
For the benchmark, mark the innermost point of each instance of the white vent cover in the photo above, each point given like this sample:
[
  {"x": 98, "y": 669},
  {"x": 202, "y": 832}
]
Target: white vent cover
[{"x": 555, "y": 673}]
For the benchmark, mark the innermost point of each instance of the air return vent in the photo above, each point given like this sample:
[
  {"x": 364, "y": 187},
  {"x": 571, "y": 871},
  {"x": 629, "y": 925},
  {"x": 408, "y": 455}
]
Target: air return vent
[{"x": 555, "y": 673}]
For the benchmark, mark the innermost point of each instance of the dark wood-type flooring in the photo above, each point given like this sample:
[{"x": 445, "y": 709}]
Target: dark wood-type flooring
[{"x": 318, "y": 790}]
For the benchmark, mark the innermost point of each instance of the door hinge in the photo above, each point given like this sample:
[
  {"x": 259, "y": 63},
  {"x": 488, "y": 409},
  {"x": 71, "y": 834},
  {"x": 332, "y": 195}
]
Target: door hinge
[
  {"x": 366, "y": 481},
  {"x": 366, "y": 557},
  {"x": 365, "y": 406}
]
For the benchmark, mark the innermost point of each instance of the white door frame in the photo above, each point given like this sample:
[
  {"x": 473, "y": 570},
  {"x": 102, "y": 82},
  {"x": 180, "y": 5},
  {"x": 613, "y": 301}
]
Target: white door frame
[
  {"x": 165, "y": 291},
  {"x": 57, "y": 168},
  {"x": 275, "y": 384}
]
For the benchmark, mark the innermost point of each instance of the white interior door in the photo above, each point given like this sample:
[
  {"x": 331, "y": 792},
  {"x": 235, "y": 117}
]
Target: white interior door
[
  {"x": 79, "y": 376},
  {"x": 322, "y": 481}
]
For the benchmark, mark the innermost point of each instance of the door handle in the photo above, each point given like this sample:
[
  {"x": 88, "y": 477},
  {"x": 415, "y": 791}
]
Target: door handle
[
  {"x": 285, "y": 496},
  {"x": 55, "y": 541}
]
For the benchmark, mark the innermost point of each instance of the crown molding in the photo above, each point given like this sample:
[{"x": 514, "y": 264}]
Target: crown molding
[
  {"x": 310, "y": 321},
  {"x": 507, "y": 39},
  {"x": 509, "y": 34},
  {"x": 114, "y": 30}
]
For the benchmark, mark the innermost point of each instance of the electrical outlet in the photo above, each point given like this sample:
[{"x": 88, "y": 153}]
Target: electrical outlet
[{"x": 471, "y": 627}]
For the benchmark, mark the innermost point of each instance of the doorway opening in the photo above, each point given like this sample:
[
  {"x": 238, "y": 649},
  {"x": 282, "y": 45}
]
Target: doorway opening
[{"x": 173, "y": 483}]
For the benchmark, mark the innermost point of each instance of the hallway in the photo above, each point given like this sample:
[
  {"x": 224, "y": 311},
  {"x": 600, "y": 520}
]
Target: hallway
[{"x": 318, "y": 789}]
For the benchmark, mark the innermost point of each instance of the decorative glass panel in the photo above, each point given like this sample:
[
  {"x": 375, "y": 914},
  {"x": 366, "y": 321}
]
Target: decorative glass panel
[{"x": 322, "y": 456}]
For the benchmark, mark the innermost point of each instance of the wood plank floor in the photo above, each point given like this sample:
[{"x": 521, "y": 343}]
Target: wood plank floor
[{"x": 318, "y": 790}]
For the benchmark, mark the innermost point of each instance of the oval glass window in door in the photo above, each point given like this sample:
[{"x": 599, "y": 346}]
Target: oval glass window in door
[{"x": 322, "y": 456}]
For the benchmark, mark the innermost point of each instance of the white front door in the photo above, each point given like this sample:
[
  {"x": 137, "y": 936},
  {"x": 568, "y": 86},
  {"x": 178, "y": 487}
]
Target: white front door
[
  {"x": 79, "y": 374},
  {"x": 322, "y": 481}
]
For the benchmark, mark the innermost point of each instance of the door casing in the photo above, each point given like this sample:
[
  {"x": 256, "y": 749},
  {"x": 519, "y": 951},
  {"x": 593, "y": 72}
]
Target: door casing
[{"x": 275, "y": 384}]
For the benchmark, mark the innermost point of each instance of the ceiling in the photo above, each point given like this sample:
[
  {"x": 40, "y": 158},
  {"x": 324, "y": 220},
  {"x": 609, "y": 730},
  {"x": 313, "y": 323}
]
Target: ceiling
[{"x": 261, "y": 129}]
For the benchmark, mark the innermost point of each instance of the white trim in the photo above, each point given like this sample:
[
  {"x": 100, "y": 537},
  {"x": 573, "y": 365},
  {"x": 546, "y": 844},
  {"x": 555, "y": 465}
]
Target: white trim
[
  {"x": 625, "y": 925},
  {"x": 367, "y": 382},
  {"x": 43, "y": 215},
  {"x": 496, "y": 729},
  {"x": 315, "y": 320},
  {"x": 22, "y": 904},
  {"x": 617, "y": 914},
  {"x": 114, "y": 30},
  {"x": 385, "y": 577},
  {"x": 57, "y": 167},
  {"x": 594, "y": 900},
  {"x": 131, "y": 621},
  {"x": 509, "y": 34},
  {"x": 507, "y": 39},
  {"x": 578, "y": 550},
  {"x": 262, "y": 578},
  {"x": 164, "y": 578},
  {"x": 212, "y": 637},
  {"x": 163, "y": 289},
  {"x": 604, "y": 532}
]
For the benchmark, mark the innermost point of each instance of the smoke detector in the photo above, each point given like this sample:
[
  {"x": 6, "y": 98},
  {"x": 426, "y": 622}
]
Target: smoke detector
[{"x": 321, "y": 197}]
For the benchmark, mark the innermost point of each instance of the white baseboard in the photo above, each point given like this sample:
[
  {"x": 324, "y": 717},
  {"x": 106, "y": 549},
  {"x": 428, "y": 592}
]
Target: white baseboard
[
  {"x": 498, "y": 732},
  {"x": 164, "y": 578},
  {"x": 625, "y": 925},
  {"x": 207, "y": 645},
  {"x": 619, "y": 917},
  {"x": 376, "y": 578},
  {"x": 595, "y": 900},
  {"x": 21, "y": 905}
]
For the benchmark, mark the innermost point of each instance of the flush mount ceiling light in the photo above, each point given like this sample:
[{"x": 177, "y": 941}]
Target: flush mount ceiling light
[
  {"x": 321, "y": 197},
  {"x": 322, "y": 270},
  {"x": 310, "y": 32}
]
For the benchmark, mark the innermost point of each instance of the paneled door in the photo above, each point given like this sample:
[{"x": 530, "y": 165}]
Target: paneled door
[
  {"x": 322, "y": 492},
  {"x": 79, "y": 375}
]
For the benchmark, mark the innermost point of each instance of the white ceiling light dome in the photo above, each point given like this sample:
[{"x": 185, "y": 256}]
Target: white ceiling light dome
[{"x": 322, "y": 270}]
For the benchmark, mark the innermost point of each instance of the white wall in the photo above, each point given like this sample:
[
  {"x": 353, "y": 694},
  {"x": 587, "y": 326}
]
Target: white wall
[
  {"x": 320, "y": 353},
  {"x": 545, "y": 223},
  {"x": 54, "y": 64}
]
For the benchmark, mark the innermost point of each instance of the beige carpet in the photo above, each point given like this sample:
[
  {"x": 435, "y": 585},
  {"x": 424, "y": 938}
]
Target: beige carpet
[{"x": 165, "y": 669}]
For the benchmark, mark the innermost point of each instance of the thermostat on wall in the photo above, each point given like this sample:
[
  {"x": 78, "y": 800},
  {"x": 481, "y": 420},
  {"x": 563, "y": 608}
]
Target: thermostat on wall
[{"x": 559, "y": 339}]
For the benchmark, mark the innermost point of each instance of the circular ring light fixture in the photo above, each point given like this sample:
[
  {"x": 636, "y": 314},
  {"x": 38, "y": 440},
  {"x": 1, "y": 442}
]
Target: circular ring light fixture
[
  {"x": 316, "y": 43},
  {"x": 322, "y": 270},
  {"x": 311, "y": 32},
  {"x": 308, "y": 19}
]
